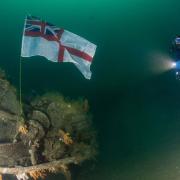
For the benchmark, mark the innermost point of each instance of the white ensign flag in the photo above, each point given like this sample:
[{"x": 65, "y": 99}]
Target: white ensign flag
[{"x": 57, "y": 45}]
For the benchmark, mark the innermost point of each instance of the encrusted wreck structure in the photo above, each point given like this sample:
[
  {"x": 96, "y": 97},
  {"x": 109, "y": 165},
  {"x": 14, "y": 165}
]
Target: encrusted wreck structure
[{"x": 50, "y": 134}]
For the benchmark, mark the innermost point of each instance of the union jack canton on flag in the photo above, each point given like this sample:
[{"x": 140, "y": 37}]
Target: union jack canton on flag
[{"x": 57, "y": 45}]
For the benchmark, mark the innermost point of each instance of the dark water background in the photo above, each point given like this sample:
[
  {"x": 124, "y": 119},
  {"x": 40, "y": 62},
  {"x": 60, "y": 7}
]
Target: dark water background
[{"x": 136, "y": 109}]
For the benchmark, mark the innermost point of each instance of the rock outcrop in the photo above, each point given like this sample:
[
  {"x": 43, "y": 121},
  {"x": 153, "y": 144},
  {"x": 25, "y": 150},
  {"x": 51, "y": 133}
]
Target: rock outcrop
[{"x": 51, "y": 134}]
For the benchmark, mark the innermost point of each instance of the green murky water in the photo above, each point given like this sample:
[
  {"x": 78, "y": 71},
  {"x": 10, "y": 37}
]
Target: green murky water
[{"x": 135, "y": 102}]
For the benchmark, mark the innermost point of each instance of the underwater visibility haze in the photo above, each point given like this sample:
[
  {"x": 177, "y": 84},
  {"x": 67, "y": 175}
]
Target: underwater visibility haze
[{"x": 133, "y": 94}]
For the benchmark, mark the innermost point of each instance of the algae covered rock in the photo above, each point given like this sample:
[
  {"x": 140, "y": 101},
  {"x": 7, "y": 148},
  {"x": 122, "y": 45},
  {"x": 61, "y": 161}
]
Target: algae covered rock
[
  {"x": 52, "y": 133},
  {"x": 9, "y": 110},
  {"x": 8, "y": 98},
  {"x": 69, "y": 117},
  {"x": 41, "y": 117},
  {"x": 12, "y": 154},
  {"x": 9, "y": 126}
]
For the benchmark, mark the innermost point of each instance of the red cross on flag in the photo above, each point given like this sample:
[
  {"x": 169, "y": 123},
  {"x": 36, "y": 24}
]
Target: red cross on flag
[{"x": 57, "y": 45}]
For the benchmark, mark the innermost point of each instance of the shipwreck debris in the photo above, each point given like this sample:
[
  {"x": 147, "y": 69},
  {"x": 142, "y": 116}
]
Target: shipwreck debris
[{"x": 51, "y": 135}]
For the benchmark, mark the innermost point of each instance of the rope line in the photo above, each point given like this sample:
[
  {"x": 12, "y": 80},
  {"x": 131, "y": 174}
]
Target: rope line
[{"x": 20, "y": 88}]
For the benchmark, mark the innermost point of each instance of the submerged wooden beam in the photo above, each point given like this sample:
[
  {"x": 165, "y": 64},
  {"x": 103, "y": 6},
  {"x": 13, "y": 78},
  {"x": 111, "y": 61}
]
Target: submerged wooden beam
[
  {"x": 43, "y": 166},
  {"x": 58, "y": 166}
]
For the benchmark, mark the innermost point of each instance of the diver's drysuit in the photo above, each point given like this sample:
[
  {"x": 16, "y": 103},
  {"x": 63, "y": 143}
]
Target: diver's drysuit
[{"x": 176, "y": 55}]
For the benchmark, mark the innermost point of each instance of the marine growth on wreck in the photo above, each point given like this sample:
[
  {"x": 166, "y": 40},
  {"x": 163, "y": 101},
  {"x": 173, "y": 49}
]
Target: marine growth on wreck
[{"x": 51, "y": 134}]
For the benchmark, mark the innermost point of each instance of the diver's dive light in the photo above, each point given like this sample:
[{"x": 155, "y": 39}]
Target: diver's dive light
[{"x": 173, "y": 64}]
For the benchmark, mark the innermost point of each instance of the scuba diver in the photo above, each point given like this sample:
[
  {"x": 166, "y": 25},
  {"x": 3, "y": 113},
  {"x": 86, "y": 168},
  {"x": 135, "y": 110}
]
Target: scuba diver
[{"x": 176, "y": 55}]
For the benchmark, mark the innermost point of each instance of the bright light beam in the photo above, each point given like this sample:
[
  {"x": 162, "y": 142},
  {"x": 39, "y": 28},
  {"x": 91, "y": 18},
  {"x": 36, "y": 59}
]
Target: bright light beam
[
  {"x": 173, "y": 64},
  {"x": 159, "y": 63}
]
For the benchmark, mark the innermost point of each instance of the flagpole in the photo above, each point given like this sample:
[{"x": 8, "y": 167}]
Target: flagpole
[
  {"x": 20, "y": 75},
  {"x": 20, "y": 87}
]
